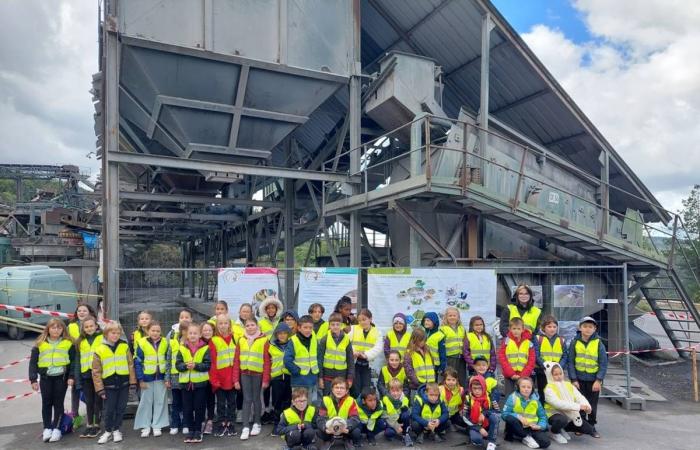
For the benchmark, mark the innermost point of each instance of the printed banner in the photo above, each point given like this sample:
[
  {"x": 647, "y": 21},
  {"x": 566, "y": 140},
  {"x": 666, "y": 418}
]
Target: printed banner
[
  {"x": 568, "y": 295},
  {"x": 417, "y": 291},
  {"x": 326, "y": 286},
  {"x": 247, "y": 285}
]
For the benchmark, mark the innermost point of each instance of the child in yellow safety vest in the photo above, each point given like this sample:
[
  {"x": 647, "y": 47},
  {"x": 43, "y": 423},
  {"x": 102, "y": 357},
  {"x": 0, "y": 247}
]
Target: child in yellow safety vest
[
  {"x": 221, "y": 309},
  {"x": 564, "y": 405},
  {"x": 149, "y": 364},
  {"x": 435, "y": 341},
  {"x": 392, "y": 370},
  {"x": 316, "y": 311},
  {"x": 113, "y": 374},
  {"x": 397, "y": 337},
  {"x": 269, "y": 313},
  {"x": 479, "y": 343},
  {"x": 301, "y": 357},
  {"x": 366, "y": 346},
  {"x": 588, "y": 364},
  {"x": 479, "y": 411},
  {"x": 172, "y": 380},
  {"x": 481, "y": 367},
  {"x": 297, "y": 424},
  {"x": 372, "y": 415},
  {"x": 193, "y": 364},
  {"x": 338, "y": 417},
  {"x": 516, "y": 355},
  {"x": 82, "y": 312},
  {"x": 418, "y": 363},
  {"x": 525, "y": 417},
  {"x": 208, "y": 330},
  {"x": 280, "y": 379},
  {"x": 522, "y": 306},
  {"x": 455, "y": 335},
  {"x": 398, "y": 414},
  {"x": 90, "y": 338},
  {"x": 335, "y": 355},
  {"x": 222, "y": 348},
  {"x": 549, "y": 346},
  {"x": 452, "y": 395},
  {"x": 251, "y": 374},
  {"x": 52, "y": 361},
  {"x": 429, "y": 416},
  {"x": 141, "y": 331}
]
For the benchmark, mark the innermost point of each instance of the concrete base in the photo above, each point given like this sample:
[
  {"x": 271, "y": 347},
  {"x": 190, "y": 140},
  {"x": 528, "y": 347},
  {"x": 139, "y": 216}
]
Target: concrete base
[{"x": 633, "y": 403}]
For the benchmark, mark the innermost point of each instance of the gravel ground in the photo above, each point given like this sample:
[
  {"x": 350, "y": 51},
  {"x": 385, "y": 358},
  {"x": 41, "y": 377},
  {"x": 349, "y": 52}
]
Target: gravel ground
[{"x": 673, "y": 381}]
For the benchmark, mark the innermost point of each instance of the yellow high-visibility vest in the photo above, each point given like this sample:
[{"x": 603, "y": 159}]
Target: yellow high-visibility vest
[
  {"x": 238, "y": 330},
  {"x": 267, "y": 326},
  {"x": 153, "y": 360},
  {"x": 113, "y": 361},
  {"x": 517, "y": 355},
  {"x": 136, "y": 337},
  {"x": 426, "y": 411},
  {"x": 386, "y": 376},
  {"x": 370, "y": 420},
  {"x": 433, "y": 344},
  {"x": 252, "y": 357},
  {"x": 530, "y": 317},
  {"x": 392, "y": 411},
  {"x": 54, "y": 355},
  {"x": 423, "y": 367},
  {"x": 586, "y": 356},
  {"x": 192, "y": 375},
  {"x": 455, "y": 402},
  {"x": 305, "y": 359},
  {"x": 344, "y": 410},
  {"x": 174, "y": 344},
  {"x": 293, "y": 418},
  {"x": 277, "y": 367},
  {"x": 479, "y": 347},
  {"x": 399, "y": 345},
  {"x": 551, "y": 410},
  {"x": 74, "y": 330},
  {"x": 336, "y": 355},
  {"x": 322, "y": 331},
  {"x": 529, "y": 411},
  {"x": 87, "y": 352},
  {"x": 362, "y": 343},
  {"x": 224, "y": 352},
  {"x": 454, "y": 339},
  {"x": 549, "y": 352}
]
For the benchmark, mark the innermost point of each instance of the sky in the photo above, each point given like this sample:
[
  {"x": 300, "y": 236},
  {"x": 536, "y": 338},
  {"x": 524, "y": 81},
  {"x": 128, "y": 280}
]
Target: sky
[{"x": 630, "y": 65}]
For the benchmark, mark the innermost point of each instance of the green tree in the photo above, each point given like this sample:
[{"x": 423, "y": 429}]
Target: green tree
[{"x": 688, "y": 259}]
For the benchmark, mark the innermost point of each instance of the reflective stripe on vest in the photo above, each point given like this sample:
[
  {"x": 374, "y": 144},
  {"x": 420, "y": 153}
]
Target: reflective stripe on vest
[
  {"x": 192, "y": 375},
  {"x": 305, "y": 359},
  {"x": 87, "y": 352},
  {"x": 224, "y": 352},
  {"x": 174, "y": 350},
  {"x": 455, "y": 401},
  {"x": 54, "y": 355},
  {"x": 392, "y": 411},
  {"x": 517, "y": 355},
  {"x": 423, "y": 367},
  {"x": 479, "y": 347},
  {"x": 277, "y": 361},
  {"x": 454, "y": 340},
  {"x": 399, "y": 345},
  {"x": 136, "y": 338},
  {"x": 386, "y": 376},
  {"x": 292, "y": 417},
  {"x": 529, "y": 318},
  {"x": 344, "y": 410},
  {"x": 370, "y": 421},
  {"x": 551, "y": 410},
  {"x": 529, "y": 412},
  {"x": 153, "y": 359},
  {"x": 113, "y": 361},
  {"x": 427, "y": 412},
  {"x": 586, "y": 356},
  {"x": 362, "y": 343},
  {"x": 549, "y": 352},
  {"x": 252, "y": 358},
  {"x": 433, "y": 344},
  {"x": 267, "y": 326},
  {"x": 336, "y": 355}
]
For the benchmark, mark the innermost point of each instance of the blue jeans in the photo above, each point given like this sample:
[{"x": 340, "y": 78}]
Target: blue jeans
[
  {"x": 476, "y": 437},
  {"x": 404, "y": 421}
]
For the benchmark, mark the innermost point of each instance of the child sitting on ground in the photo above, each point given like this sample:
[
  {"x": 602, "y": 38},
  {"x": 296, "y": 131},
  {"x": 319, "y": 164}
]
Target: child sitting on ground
[
  {"x": 337, "y": 417},
  {"x": 452, "y": 394},
  {"x": 398, "y": 416},
  {"x": 371, "y": 413},
  {"x": 481, "y": 367},
  {"x": 479, "y": 411},
  {"x": 429, "y": 415},
  {"x": 298, "y": 422},
  {"x": 564, "y": 405},
  {"x": 393, "y": 369},
  {"x": 525, "y": 417}
]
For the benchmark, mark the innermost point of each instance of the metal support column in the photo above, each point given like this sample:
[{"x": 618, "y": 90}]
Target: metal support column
[
  {"x": 626, "y": 330},
  {"x": 110, "y": 170},
  {"x": 18, "y": 185},
  {"x": 483, "y": 117},
  {"x": 289, "y": 242},
  {"x": 355, "y": 130},
  {"x": 605, "y": 192},
  {"x": 416, "y": 163}
]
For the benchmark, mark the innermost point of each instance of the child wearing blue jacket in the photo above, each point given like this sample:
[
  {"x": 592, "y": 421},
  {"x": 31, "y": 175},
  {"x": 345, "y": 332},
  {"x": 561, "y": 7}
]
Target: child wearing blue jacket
[
  {"x": 588, "y": 363},
  {"x": 301, "y": 358},
  {"x": 429, "y": 415},
  {"x": 149, "y": 364},
  {"x": 435, "y": 341},
  {"x": 525, "y": 417}
]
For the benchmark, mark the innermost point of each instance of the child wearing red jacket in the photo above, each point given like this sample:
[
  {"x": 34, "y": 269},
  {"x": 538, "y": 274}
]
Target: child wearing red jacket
[
  {"x": 222, "y": 348},
  {"x": 516, "y": 355},
  {"x": 251, "y": 374}
]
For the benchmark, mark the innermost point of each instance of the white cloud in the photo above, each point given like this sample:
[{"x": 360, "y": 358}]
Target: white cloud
[
  {"x": 45, "y": 74},
  {"x": 638, "y": 80}
]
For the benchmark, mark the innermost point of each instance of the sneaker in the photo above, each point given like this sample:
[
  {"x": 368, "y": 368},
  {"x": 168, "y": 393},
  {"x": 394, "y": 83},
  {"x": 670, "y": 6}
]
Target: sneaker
[
  {"x": 407, "y": 441},
  {"x": 566, "y": 435},
  {"x": 255, "y": 430},
  {"x": 106, "y": 436},
  {"x": 220, "y": 430},
  {"x": 93, "y": 432},
  {"x": 145, "y": 432},
  {"x": 267, "y": 418},
  {"x": 595, "y": 433},
  {"x": 245, "y": 434},
  {"x": 117, "y": 436},
  {"x": 491, "y": 446},
  {"x": 187, "y": 439},
  {"x": 86, "y": 432},
  {"x": 209, "y": 427},
  {"x": 46, "y": 435},
  {"x": 558, "y": 438},
  {"x": 419, "y": 439},
  {"x": 530, "y": 442},
  {"x": 157, "y": 432},
  {"x": 55, "y": 435},
  {"x": 231, "y": 430},
  {"x": 185, "y": 430},
  {"x": 196, "y": 438},
  {"x": 440, "y": 437},
  {"x": 173, "y": 431}
]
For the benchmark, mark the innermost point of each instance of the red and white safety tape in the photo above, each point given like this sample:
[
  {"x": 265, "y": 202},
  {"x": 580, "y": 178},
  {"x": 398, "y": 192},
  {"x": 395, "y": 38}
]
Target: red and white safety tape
[
  {"x": 632, "y": 352},
  {"x": 37, "y": 311},
  {"x": 14, "y": 397},
  {"x": 14, "y": 363},
  {"x": 13, "y": 380}
]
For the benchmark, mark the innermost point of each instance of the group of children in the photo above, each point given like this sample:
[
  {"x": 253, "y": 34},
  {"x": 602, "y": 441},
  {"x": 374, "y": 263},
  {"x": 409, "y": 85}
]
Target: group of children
[{"x": 312, "y": 379}]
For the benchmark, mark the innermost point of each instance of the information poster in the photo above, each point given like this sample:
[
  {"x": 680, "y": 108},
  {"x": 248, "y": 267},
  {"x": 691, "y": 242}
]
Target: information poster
[
  {"x": 417, "y": 291},
  {"x": 568, "y": 295},
  {"x": 326, "y": 285},
  {"x": 247, "y": 285}
]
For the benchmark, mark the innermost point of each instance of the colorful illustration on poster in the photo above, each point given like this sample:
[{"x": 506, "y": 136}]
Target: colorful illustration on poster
[
  {"x": 568, "y": 295},
  {"x": 536, "y": 295},
  {"x": 246, "y": 285},
  {"x": 326, "y": 286}
]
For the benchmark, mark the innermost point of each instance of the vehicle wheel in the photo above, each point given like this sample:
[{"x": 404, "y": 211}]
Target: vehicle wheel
[{"x": 15, "y": 333}]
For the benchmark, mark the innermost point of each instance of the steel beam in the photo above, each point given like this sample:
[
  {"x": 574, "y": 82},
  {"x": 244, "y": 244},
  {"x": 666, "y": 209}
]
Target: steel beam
[
  {"x": 182, "y": 215},
  {"x": 176, "y": 198},
  {"x": 416, "y": 25},
  {"x": 520, "y": 101},
  {"x": 240, "y": 169},
  {"x": 289, "y": 194},
  {"x": 355, "y": 130},
  {"x": 240, "y": 96},
  {"x": 415, "y": 225}
]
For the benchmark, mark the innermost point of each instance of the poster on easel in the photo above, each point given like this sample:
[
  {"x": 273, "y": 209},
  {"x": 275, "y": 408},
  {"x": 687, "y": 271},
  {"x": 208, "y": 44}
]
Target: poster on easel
[
  {"x": 326, "y": 285},
  {"x": 238, "y": 285}
]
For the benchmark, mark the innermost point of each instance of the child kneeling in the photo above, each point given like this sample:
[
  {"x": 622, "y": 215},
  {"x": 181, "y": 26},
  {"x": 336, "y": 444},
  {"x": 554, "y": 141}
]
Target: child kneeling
[
  {"x": 525, "y": 417},
  {"x": 337, "y": 417},
  {"x": 564, "y": 405},
  {"x": 298, "y": 422},
  {"x": 429, "y": 415},
  {"x": 372, "y": 415},
  {"x": 398, "y": 416},
  {"x": 480, "y": 412}
]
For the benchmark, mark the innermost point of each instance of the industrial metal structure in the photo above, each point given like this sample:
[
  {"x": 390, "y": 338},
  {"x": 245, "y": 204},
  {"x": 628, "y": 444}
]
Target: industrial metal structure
[{"x": 239, "y": 129}]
